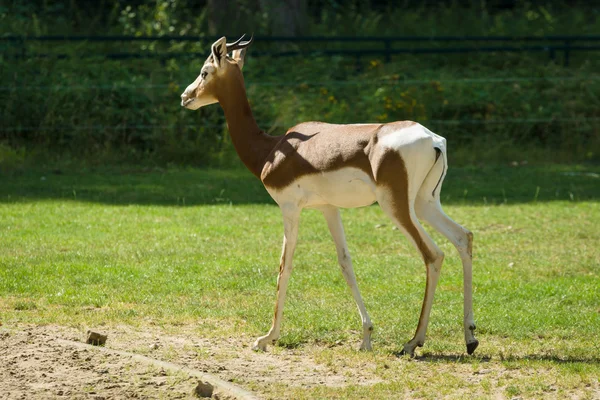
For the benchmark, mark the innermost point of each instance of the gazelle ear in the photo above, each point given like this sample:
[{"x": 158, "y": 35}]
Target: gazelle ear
[
  {"x": 238, "y": 56},
  {"x": 219, "y": 51}
]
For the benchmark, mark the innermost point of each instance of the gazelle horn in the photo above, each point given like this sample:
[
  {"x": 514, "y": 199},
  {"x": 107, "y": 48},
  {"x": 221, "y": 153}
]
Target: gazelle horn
[{"x": 238, "y": 44}]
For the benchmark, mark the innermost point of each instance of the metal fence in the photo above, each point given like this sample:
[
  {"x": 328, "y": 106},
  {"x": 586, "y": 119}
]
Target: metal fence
[
  {"x": 358, "y": 47},
  {"x": 557, "y": 48}
]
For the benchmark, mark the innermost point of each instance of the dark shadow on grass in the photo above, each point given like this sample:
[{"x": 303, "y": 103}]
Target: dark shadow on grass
[
  {"x": 466, "y": 359},
  {"x": 447, "y": 358},
  {"x": 555, "y": 359},
  {"x": 290, "y": 345},
  {"x": 193, "y": 186}
]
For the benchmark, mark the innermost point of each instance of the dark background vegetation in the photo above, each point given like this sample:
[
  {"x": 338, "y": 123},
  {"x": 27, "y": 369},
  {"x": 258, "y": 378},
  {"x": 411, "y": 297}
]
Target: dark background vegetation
[{"x": 66, "y": 102}]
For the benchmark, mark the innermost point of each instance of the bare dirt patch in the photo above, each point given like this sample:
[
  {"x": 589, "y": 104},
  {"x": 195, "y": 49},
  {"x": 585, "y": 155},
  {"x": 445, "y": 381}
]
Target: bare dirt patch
[{"x": 35, "y": 363}]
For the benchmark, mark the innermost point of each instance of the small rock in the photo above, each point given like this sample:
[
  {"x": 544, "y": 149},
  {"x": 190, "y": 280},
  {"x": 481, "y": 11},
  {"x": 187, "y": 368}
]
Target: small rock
[
  {"x": 154, "y": 346},
  {"x": 96, "y": 339},
  {"x": 204, "y": 389}
]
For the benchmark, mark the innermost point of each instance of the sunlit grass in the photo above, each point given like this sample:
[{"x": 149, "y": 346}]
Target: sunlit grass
[{"x": 127, "y": 250}]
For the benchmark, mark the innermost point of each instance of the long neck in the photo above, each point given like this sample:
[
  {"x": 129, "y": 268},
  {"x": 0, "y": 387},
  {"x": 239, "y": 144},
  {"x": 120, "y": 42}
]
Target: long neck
[{"x": 252, "y": 145}]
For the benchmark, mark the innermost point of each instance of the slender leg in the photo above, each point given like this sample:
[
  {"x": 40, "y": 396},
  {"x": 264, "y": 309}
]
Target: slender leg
[
  {"x": 405, "y": 219},
  {"x": 431, "y": 211},
  {"x": 291, "y": 216},
  {"x": 334, "y": 222}
]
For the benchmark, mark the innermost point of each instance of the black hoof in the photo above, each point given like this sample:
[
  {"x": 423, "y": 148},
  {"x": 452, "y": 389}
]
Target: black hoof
[
  {"x": 405, "y": 353},
  {"x": 472, "y": 346}
]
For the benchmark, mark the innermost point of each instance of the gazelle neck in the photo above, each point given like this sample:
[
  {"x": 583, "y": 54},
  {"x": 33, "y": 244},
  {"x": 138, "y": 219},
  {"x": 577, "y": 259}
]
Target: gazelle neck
[{"x": 250, "y": 142}]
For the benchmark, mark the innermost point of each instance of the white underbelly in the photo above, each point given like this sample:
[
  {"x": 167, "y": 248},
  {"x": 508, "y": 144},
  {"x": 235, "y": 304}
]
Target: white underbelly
[{"x": 346, "y": 188}]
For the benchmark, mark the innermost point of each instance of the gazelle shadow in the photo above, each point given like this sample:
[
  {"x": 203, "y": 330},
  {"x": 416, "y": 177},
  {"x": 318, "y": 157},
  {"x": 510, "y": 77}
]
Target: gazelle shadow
[
  {"x": 197, "y": 186},
  {"x": 466, "y": 359}
]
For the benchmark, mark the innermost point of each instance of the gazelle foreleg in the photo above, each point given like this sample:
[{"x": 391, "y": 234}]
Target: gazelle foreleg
[
  {"x": 431, "y": 211},
  {"x": 334, "y": 222},
  {"x": 291, "y": 218}
]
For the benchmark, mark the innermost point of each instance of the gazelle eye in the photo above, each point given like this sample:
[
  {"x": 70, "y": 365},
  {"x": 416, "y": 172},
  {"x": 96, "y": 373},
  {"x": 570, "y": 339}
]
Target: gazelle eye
[{"x": 204, "y": 74}]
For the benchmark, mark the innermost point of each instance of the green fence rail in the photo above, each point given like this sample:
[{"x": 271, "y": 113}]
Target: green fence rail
[{"x": 384, "y": 46}]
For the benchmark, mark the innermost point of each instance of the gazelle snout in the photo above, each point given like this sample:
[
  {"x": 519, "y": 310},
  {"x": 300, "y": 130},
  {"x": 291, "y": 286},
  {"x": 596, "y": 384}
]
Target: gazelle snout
[
  {"x": 187, "y": 97},
  {"x": 197, "y": 95}
]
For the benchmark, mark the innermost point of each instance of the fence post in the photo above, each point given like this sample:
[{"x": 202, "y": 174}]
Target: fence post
[
  {"x": 21, "y": 42},
  {"x": 388, "y": 49},
  {"x": 358, "y": 62},
  {"x": 552, "y": 53},
  {"x": 567, "y": 52}
]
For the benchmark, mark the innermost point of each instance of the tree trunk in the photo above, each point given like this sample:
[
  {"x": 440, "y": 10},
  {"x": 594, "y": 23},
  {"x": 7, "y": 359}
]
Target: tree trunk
[
  {"x": 217, "y": 16},
  {"x": 287, "y": 17}
]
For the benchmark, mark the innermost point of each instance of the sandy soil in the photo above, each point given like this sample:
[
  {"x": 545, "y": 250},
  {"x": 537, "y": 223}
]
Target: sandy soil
[
  {"x": 36, "y": 364},
  {"x": 39, "y": 362}
]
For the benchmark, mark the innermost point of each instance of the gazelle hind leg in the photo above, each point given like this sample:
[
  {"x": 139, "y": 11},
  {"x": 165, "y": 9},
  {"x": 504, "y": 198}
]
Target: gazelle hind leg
[
  {"x": 431, "y": 211},
  {"x": 291, "y": 217},
  {"x": 396, "y": 206},
  {"x": 334, "y": 222}
]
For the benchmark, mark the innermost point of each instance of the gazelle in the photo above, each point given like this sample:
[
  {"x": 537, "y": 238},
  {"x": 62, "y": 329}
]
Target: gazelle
[{"x": 400, "y": 165}]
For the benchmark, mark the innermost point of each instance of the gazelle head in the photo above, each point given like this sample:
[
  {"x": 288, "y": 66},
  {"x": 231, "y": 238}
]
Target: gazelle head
[{"x": 216, "y": 71}]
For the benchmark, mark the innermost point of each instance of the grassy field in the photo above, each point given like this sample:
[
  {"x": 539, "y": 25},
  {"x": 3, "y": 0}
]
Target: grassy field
[{"x": 200, "y": 248}]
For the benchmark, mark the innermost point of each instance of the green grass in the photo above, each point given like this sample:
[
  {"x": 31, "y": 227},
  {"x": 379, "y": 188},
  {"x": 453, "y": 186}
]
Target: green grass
[{"x": 178, "y": 247}]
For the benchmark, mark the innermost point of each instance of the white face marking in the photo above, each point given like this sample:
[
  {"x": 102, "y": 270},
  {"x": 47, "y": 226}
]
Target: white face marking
[
  {"x": 207, "y": 73},
  {"x": 188, "y": 97}
]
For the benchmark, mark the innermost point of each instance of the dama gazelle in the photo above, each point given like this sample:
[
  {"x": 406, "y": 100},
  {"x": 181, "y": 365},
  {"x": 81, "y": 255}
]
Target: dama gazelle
[{"x": 400, "y": 165}]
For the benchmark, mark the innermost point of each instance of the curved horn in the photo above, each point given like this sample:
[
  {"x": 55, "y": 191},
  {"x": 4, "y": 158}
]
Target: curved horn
[
  {"x": 231, "y": 45},
  {"x": 238, "y": 44}
]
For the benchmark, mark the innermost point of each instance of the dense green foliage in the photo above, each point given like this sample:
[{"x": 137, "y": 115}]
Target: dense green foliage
[{"x": 493, "y": 107}]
